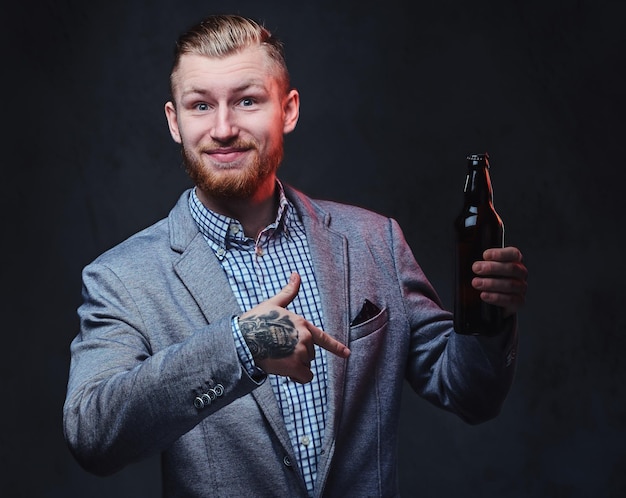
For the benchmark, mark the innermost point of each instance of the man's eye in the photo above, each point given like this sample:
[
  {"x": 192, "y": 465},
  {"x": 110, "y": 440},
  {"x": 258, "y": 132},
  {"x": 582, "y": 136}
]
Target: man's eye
[
  {"x": 247, "y": 102},
  {"x": 202, "y": 107}
]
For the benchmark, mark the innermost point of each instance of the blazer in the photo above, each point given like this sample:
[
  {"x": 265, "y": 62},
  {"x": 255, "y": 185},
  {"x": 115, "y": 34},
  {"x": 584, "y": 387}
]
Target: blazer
[{"x": 155, "y": 337}]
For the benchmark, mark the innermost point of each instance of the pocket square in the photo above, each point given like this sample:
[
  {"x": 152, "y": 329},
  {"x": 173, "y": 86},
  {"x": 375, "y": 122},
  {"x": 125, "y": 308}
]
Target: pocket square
[{"x": 368, "y": 310}]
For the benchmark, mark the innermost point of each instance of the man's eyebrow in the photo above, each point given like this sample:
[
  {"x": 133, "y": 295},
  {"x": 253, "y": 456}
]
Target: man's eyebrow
[
  {"x": 191, "y": 91},
  {"x": 247, "y": 85}
]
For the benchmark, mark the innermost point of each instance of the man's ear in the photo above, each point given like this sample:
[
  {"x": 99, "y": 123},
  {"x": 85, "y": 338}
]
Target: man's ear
[
  {"x": 172, "y": 121},
  {"x": 291, "y": 111}
]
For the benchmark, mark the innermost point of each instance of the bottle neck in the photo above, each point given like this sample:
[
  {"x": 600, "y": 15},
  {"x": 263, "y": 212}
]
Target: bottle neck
[{"x": 478, "y": 186}]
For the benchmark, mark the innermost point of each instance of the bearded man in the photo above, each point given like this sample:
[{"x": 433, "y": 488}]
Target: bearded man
[{"x": 259, "y": 339}]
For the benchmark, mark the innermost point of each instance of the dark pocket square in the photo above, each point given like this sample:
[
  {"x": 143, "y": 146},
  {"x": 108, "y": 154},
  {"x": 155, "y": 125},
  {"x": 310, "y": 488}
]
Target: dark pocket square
[{"x": 368, "y": 310}]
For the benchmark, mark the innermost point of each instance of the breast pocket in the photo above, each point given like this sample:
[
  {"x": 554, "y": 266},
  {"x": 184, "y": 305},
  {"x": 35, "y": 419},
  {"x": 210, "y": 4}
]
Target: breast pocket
[
  {"x": 367, "y": 344},
  {"x": 377, "y": 323}
]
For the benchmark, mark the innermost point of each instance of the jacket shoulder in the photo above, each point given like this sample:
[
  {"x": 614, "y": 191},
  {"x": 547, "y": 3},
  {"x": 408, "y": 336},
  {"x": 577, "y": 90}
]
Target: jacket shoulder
[
  {"x": 156, "y": 241},
  {"x": 149, "y": 241},
  {"x": 337, "y": 214}
]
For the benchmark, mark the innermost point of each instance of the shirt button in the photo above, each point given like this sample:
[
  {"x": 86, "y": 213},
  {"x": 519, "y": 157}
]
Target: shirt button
[
  {"x": 305, "y": 440},
  {"x": 220, "y": 252},
  {"x": 234, "y": 229},
  {"x": 258, "y": 250}
]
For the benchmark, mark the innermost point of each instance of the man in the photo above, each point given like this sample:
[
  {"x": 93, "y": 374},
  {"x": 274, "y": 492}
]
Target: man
[{"x": 258, "y": 339}]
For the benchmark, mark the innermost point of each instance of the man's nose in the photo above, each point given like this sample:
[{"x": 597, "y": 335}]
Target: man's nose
[{"x": 224, "y": 124}]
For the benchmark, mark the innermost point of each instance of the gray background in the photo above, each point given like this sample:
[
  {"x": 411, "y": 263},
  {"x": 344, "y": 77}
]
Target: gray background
[{"x": 394, "y": 95}]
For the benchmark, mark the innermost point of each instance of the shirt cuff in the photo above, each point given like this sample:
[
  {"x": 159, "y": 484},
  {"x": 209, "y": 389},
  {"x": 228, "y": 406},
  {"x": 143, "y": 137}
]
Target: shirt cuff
[{"x": 244, "y": 354}]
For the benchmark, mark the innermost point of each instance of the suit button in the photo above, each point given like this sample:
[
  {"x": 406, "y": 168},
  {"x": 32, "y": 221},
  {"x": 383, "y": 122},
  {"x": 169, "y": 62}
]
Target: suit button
[
  {"x": 206, "y": 398},
  {"x": 287, "y": 461},
  {"x": 198, "y": 403},
  {"x": 219, "y": 390}
]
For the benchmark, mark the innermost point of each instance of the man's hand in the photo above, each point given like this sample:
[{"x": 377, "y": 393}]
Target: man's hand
[
  {"x": 282, "y": 342},
  {"x": 501, "y": 278}
]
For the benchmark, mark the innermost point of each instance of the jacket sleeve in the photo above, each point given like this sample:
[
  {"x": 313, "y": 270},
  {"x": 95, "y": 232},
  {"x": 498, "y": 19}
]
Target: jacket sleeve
[
  {"x": 467, "y": 375},
  {"x": 128, "y": 398}
]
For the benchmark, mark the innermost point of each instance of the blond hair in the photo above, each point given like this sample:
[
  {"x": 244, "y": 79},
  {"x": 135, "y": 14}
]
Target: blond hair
[{"x": 219, "y": 36}]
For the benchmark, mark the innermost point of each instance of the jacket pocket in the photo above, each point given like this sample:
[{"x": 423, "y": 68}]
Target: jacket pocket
[{"x": 370, "y": 326}]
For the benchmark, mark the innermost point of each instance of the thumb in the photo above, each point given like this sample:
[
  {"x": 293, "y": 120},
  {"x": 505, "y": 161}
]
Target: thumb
[{"x": 288, "y": 292}]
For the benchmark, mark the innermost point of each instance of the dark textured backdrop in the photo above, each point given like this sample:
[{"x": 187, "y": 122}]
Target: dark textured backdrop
[{"x": 394, "y": 95}]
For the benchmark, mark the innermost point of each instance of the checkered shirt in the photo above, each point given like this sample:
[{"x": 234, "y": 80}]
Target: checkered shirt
[{"x": 257, "y": 269}]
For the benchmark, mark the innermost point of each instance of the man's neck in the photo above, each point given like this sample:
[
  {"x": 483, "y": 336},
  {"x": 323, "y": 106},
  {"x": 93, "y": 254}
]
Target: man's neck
[{"x": 254, "y": 213}]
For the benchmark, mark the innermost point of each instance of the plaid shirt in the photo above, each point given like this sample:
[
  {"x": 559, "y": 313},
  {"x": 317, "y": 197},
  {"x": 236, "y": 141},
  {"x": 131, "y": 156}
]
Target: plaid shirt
[{"x": 257, "y": 269}]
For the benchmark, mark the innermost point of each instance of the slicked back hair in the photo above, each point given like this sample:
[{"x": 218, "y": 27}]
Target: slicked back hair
[{"x": 219, "y": 36}]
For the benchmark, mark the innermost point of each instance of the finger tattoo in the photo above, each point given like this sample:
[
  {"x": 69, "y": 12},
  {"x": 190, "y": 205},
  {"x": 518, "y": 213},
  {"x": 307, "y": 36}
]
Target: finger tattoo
[{"x": 269, "y": 335}]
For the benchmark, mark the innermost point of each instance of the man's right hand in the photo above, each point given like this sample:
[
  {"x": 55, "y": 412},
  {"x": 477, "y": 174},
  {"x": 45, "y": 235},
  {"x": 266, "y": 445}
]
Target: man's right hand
[{"x": 282, "y": 342}]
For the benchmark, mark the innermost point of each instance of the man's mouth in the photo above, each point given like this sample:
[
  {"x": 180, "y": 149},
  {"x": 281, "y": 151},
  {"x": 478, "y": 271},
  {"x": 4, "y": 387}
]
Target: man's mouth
[{"x": 227, "y": 154}]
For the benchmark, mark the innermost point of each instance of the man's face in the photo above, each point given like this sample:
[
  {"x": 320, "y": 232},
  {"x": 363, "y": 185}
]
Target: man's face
[{"x": 230, "y": 117}]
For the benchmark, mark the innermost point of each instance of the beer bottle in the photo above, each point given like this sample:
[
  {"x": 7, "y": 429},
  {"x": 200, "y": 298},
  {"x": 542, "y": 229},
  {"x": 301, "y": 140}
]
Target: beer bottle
[{"x": 478, "y": 227}]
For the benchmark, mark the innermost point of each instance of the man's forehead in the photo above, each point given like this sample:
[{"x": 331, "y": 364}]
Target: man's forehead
[
  {"x": 252, "y": 57},
  {"x": 239, "y": 71}
]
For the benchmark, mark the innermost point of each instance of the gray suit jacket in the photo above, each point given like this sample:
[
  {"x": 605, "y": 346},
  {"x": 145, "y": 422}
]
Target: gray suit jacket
[{"x": 155, "y": 334}]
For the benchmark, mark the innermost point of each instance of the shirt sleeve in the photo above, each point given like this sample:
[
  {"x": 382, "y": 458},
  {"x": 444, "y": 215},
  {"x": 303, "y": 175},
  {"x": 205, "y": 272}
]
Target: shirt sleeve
[{"x": 245, "y": 356}]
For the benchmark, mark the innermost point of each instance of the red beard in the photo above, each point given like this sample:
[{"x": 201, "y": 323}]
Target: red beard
[{"x": 240, "y": 183}]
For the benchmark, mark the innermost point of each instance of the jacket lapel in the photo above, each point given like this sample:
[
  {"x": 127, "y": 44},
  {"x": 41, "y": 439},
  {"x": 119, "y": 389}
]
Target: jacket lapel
[
  {"x": 329, "y": 253},
  {"x": 202, "y": 274}
]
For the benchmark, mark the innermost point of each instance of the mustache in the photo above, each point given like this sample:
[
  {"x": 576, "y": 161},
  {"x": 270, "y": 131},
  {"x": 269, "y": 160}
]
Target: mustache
[{"x": 235, "y": 144}]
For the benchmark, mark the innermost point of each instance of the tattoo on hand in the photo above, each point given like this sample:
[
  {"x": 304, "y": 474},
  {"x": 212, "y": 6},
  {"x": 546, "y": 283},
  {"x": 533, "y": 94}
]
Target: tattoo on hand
[{"x": 269, "y": 336}]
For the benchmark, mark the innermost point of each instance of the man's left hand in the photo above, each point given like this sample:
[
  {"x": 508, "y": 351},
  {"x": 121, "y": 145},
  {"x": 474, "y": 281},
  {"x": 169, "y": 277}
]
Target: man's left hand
[{"x": 501, "y": 278}]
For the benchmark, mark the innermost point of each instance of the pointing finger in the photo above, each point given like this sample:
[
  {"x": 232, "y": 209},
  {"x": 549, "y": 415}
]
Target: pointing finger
[{"x": 328, "y": 343}]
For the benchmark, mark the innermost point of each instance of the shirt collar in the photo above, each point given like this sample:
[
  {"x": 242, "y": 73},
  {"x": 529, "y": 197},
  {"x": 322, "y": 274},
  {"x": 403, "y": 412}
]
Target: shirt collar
[{"x": 221, "y": 230}]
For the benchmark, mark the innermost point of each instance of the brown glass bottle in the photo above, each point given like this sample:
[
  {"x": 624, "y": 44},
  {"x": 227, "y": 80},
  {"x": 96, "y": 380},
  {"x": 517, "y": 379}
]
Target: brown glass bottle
[{"x": 478, "y": 227}]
